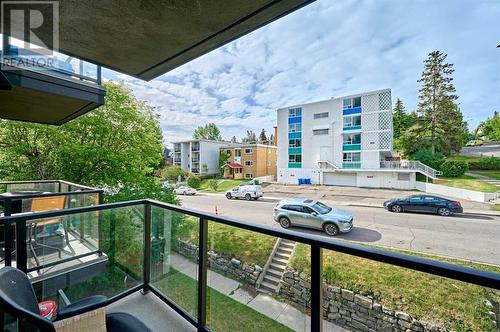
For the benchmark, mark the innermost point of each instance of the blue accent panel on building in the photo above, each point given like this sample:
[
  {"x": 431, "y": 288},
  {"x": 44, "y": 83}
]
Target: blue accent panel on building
[
  {"x": 352, "y": 128},
  {"x": 294, "y": 135},
  {"x": 351, "y": 147},
  {"x": 297, "y": 119},
  {"x": 354, "y": 110},
  {"x": 294, "y": 165},
  {"x": 294, "y": 150}
]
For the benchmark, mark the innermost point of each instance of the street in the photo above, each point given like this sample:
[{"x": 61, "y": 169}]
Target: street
[
  {"x": 469, "y": 236},
  {"x": 488, "y": 149}
]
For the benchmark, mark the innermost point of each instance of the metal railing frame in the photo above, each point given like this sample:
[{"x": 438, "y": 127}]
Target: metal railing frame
[{"x": 316, "y": 243}]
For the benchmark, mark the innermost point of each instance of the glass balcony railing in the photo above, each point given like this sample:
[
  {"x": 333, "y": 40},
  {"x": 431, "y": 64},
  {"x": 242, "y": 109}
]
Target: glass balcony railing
[
  {"x": 222, "y": 274},
  {"x": 15, "y": 54}
]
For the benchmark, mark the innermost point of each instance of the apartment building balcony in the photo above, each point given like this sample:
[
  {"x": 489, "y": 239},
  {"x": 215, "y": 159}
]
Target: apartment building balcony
[
  {"x": 351, "y": 165},
  {"x": 195, "y": 160},
  {"x": 47, "y": 89},
  {"x": 195, "y": 147},
  {"x": 351, "y": 147},
  {"x": 352, "y": 128},
  {"x": 182, "y": 289}
]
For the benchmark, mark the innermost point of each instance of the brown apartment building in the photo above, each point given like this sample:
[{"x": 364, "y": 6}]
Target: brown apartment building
[{"x": 248, "y": 161}]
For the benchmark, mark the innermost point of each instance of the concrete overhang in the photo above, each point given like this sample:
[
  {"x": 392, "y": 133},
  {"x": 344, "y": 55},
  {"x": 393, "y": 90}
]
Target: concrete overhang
[
  {"x": 146, "y": 39},
  {"x": 31, "y": 96}
]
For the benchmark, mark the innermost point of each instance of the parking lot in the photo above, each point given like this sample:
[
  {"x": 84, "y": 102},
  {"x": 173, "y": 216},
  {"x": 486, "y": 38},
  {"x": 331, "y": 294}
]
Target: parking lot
[{"x": 467, "y": 236}]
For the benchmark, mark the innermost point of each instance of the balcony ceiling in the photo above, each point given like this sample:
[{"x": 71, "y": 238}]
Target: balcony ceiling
[
  {"x": 146, "y": 39},
  {"x": 37, "y": 97}
]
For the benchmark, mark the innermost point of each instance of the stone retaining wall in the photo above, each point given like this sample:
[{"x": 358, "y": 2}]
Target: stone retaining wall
[
  {"x": 353, "y": 311},
  {"x": 246, "y": 273}
]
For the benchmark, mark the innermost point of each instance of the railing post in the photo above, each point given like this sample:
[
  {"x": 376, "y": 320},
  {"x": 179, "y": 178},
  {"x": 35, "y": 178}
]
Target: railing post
[
  {"x": 21, "y": 251},
  {"x": 99, "y": 75},
  {"x": 100, "y": 200},
  {"x": 8, "y": 236},
  {"x": 316, "y": 288},
  {"x": 202, "y": 273},
  {"x": 147, "y": 248}
]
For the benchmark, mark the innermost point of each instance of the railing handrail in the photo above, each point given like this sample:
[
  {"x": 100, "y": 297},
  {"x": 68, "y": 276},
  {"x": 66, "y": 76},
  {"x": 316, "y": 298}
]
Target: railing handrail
[
  {"x": 80, "y": 186},
  {"x": 457, "y": 272},
  {"x": 410, "y": 164}
]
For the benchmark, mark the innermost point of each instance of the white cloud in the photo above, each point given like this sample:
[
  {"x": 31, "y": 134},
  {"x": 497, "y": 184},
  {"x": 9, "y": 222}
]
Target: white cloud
[{"x": 331, "y": 48}]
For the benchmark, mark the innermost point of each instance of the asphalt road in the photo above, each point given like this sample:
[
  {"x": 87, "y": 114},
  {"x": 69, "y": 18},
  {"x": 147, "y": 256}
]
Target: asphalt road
[
  {"x": 471, "y": 237},
  {"x": 487, "y": 149}
]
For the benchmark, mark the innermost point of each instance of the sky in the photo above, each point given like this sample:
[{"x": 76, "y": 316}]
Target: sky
[{"x": 331, "y": 49}]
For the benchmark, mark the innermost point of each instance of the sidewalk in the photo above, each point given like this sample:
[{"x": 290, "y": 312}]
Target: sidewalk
[{"x": 263, "y": 303}]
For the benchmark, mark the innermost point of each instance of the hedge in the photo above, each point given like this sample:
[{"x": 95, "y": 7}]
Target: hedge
[{"x": 454, "y": 168}]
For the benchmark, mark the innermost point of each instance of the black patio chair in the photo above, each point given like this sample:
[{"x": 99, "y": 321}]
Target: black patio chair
[{"x": 18, "y": 299}]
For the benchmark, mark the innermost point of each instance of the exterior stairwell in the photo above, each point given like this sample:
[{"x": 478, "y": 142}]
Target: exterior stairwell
[{"x": 275, "y": 267}]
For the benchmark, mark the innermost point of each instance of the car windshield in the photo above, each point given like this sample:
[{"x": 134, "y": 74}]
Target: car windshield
[{"x": 321, "y": 208}]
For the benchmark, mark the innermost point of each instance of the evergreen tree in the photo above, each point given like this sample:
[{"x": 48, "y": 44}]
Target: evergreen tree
[
  {"x": 263, "y": 137},
  {"x": 234, "y": 140},
  {"x": 437, "y": 109},
  {"x": 250, "y": 138},
  {"x": 491, "y": 127}
]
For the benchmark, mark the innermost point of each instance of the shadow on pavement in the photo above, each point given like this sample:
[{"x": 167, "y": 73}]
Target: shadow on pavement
[
  {"x": 473, "y": 216},
  {"x": 359, "y": 234}
]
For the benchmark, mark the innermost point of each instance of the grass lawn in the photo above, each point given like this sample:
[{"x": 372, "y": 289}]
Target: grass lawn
[
  {"x": 454, "y": 304},
  {"x": 467, "y": 182},
  {"x": 223, "y": 313},
  {"x": 495, "y": 207},
  {"x": 224, "y": 184},
  {"x": 491, "y": 174},
  {"x": 249, "y": 247}
]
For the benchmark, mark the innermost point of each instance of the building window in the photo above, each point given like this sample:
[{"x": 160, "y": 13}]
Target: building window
[
  {"x": 248, "y": 175},
  {"x": 295, "y": 143},
  {"x": 237, "y": 170},
  {"x": 248, "y": 163},
  {"x": 352, "y": 157},
  {"x": 237, "y": 152},
  {"x": 294, "y": 127},
  {"x": 248, "y": 151},
  {"x": 295, "y": 158},
  {"x": 352, "y": 121},
  {"x": 352, "y": 139},
  {"x": 294, "y": 112},
  {"x": 321, "y": 115},
  {"x": 352, "y": 102},
  {"x": 228, "y": 152},
  {"x": 317, "y": 132}
]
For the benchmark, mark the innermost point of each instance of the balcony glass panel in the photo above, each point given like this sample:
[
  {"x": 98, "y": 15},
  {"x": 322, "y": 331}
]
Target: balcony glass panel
[
  {"x": 351, "y": 165},
  {"x": 237, "y": 259},
  {"x": 174, "y": 257},
  {"x": 361, "y": 295},
  {"x": 351, "y": 147}
]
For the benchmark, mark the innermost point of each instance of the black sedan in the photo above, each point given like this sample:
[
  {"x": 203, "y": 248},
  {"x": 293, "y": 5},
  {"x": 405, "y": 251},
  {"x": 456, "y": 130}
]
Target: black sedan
[{"x": 424, "y": 203}]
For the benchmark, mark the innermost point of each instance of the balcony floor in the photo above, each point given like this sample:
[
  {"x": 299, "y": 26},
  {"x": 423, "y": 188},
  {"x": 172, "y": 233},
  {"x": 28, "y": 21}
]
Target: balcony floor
[{"x": 153, "y": 312}]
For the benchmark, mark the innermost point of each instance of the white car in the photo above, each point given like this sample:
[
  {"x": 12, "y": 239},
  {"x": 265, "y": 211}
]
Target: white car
[
  {"x": 247, "y": 192},
  {"x": 185, "y": 190}
]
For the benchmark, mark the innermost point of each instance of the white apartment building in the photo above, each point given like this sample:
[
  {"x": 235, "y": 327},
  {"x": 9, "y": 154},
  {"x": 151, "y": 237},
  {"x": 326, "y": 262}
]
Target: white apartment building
[
  {"x": 191, "y": 155},
  {"x": 344, "y": 141}
]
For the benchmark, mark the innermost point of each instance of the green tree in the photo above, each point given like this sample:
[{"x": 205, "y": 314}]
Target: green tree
[
  {"x": 214, "y": 184},
  {"x": 440, "y": 120},
  {"x": 193, "y": 181},
  {"x": 209, "y": 131},
  {"x": 121, "y": 142},
  {"x": 204, "y": 168},
  {"x": 173, "y": 173},
  {"x": 250, "y": 138},
  {"x": 491, "y": 127},
  {"x": 223, "y": 159},
  {"x": 402, "y": 121},
  {"x": 263, "y": 137}
]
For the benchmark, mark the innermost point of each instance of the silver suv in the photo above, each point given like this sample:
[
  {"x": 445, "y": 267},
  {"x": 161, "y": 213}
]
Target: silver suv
[{"x": 312, "y": 214}]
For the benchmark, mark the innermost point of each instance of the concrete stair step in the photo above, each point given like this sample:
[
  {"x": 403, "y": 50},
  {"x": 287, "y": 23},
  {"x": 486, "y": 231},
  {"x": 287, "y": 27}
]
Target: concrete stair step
[
  {"x": 277, "y": 267},
  {"x": 272, "y": 280},
  {"x": 282, "y": 256},
  {"x": 286, "y": 246},
  {"x": 268, "y": 287},
  {"x": 284, "y": 251},
  {"x": 288, "y": 242},
  {"x": 274, "y": 273},
  {"x": 280, "y": 261}
]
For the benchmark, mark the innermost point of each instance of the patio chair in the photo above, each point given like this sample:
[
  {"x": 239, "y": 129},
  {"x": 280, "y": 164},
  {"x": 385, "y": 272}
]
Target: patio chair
[
  {"x": 50, "y": 203},
  {"x": 18, "y": 299}
]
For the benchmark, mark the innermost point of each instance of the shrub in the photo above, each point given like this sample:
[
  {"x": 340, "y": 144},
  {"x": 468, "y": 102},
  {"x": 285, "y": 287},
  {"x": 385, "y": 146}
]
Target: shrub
[
  {"x": 173, "y": 173},
  {"x": 454, "y": 168},
  {"x": 427, "y": 157},
  {"x": 193, "y": 181},
  {"x": 214, "y": 184},
  {"x": 489, "y": 163}
]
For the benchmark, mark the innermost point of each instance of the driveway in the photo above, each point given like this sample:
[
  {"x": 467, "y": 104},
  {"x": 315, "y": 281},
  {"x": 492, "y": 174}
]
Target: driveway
[{"x": 470, "y": 237}]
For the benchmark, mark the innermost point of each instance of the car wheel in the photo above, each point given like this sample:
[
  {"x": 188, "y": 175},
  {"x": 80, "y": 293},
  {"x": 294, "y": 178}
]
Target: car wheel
[
  {"x": 397, "y": 208},
  {"x": 284, "y": 222},
  {"x": 184, "y": 193},
  {"x": 228, "y": 196},
  {"x": 255, "y": 198},
  {"x": 331, "y": 229},
  {"x": 248, "y": 197},
  {"x": 445, "y": 212}
]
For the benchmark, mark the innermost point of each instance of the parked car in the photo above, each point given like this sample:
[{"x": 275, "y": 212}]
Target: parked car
[
  {"x": 424, "y": 203},
  {"x": 184, "y": 190},
  {"x": 313, "y": 214},
  {"x": 474, "y": 142},
  {"x": 247, "y": 192}
]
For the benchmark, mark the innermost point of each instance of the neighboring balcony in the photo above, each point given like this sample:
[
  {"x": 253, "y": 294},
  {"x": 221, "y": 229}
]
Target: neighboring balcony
[
  {"x": 195, "y": 147},
  {"x": 173, "y": 256},
  {"x": 351, "y": 111},
  {"x": 47, "y": 89},
  {"x": 352, "y": 128}
]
